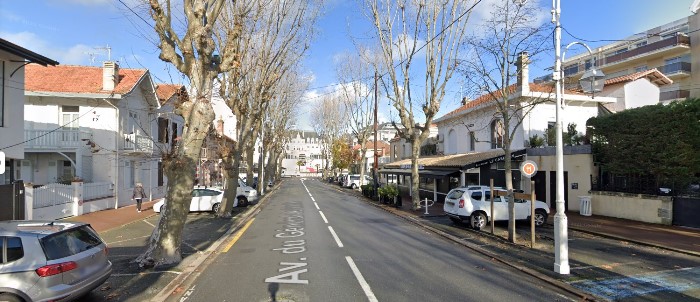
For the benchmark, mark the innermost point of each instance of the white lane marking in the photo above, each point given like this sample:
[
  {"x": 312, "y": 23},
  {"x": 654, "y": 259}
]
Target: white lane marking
[
  {"x": 312, "y": 198},
  {"x": 148, "y": 222},
  {"x": 363, "y": 283},
  {"x": 323, "y": 216},
  {"x": 120, "y": 241},
  {"x": 146, "y": 273},
  {"x": 317, "y": 208},
  {"x": 335, "y": 236}
]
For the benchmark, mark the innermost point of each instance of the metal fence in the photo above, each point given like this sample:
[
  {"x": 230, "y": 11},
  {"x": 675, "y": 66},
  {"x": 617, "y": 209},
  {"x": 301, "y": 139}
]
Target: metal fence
[{"x": 643, "y": 185}]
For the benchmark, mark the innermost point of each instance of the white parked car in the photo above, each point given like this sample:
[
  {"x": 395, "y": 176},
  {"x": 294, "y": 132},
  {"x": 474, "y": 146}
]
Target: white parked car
[
  {"x": 473, "y": 204},
  {"x": 353, "y": 181},
  {"x": 209, "y": 199}
]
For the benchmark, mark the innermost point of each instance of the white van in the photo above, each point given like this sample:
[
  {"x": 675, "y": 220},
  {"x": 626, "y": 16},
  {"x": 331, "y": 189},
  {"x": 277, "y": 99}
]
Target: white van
[{"x": 473, "y": 204}]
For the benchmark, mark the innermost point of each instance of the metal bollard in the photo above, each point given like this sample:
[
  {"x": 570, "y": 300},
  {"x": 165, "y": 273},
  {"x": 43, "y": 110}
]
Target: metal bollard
[{"x": 428, "y": 205}]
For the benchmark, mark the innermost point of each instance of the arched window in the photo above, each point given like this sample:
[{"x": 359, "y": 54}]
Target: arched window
[
  {"x": 497, "y": 133},
  {"x": 403, "y": 152}
]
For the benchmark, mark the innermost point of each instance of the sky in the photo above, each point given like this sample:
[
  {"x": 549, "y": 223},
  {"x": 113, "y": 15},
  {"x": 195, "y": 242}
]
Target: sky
[{"x": 78, "y": 32}]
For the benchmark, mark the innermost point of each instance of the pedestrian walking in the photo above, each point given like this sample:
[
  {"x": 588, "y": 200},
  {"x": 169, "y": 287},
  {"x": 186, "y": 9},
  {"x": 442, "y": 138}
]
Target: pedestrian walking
[{"x": 138, "y": 194}]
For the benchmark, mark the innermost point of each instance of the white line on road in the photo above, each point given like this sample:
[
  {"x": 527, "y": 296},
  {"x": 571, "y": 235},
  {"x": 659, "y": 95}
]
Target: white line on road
[
  {"x": 317, "y": 208},
  {"x": 120, "y": 241},
  {"x": 148, "y": 222},
  {"x": 312, "y": 198},
  {"x": 146, "y": 273},
  {"x": 323, "y": 216},
  {"x": 335, "y": 236},
  {"x": 363, "y": 283}
]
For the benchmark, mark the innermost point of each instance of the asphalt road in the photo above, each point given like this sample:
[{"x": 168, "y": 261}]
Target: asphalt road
[{"x": 312, "y": 242}]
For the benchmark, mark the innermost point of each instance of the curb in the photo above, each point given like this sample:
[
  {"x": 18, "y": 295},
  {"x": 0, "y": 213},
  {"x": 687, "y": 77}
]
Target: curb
[
  {"x": 195, "y": 266},
  {"x": 552, "y": 281},
  {"x": 690, "y": 253}
]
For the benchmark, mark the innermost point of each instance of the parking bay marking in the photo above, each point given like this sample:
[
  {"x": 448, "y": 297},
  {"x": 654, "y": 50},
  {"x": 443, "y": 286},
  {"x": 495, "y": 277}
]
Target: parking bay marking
[
  {"x": 238, "y": 235},
  {"x": 317, "y": 208}
]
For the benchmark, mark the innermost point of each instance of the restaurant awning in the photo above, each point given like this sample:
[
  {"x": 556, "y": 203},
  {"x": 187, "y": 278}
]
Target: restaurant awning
[{"x": 441, "y": 166}]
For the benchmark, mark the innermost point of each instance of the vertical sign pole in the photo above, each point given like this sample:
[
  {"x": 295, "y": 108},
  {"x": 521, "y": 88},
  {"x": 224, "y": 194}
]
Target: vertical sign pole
[
  {"x": 492, "y": 196},
  {"x": 532, "y": 214}
]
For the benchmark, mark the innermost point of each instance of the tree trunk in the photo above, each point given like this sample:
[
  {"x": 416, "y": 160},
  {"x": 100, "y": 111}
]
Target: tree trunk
[
  {"x": 363, "y": 163},
  {"x": 415, "y": 178},
  {"x": 511, "y": 201},
  {"x": 164, "y": 243},
  {"x": 232, "y": 166}
]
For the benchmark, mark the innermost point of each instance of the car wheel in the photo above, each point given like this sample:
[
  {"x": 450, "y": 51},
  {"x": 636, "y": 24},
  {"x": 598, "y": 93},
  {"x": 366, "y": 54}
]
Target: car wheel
[
  {"x": 242, "y": 201},
  {"x": 353, "y": 186},
  {"x": 455, "y": 220},
  {"x": 540, "y": 217},
  {"x": 10, "y": 298},
  {"x": 478, "y": 220},
  {"x": 215, "y": 207}
]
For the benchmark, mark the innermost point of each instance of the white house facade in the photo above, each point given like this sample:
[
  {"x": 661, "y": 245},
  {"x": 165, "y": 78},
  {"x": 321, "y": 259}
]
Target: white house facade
[
  {"x": 303, "y": 147},
  {"x": 96, "y": 124}
]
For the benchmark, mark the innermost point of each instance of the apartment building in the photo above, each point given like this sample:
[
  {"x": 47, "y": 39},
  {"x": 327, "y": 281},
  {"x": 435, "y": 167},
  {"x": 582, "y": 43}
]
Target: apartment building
[
  {"x": 671, "y": 48},
  {"x": 303, "y": 147}
]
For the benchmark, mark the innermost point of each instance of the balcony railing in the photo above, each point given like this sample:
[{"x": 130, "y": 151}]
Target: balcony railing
[
  {"x": 675, "y": 68},
  {"x": 56, "y": 139},
  {"x": 673, "y": 95},
  {"x": 678, "y": 40},
  {"x": 138, "y": 143}
]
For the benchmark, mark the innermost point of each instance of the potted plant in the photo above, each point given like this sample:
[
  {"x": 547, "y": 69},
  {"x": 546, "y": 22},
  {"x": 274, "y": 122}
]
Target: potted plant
[{"x": 391, "y": 192}]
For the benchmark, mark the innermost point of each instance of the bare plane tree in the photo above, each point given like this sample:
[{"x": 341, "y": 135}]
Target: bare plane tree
[
  {"x": 274, "y": 38},
  {"x": 191, "y": 51},
  {"x": 408, "y": 31},
  {"x": 356, "y": 93},
  {"x": 512, "y": 34},
  {"x": 329, "y": 120}
]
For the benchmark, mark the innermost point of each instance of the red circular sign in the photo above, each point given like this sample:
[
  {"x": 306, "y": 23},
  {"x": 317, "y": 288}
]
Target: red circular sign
[{"x": 528, "y": 168}]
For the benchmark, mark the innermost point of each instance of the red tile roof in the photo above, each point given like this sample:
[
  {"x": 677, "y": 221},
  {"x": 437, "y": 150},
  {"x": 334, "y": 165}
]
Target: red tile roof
[
  {"x": 77, "y": 79},
  {"x": 167, "y": 91},
  {"x": 488, "y": 97},
  {"x": 652, "y": 75}
]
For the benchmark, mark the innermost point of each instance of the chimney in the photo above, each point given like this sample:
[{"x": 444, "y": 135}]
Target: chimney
[
  {"x": 110, "y": 75},
  {"x": 523, "y": 72},
  {"x": 220, "y": 126}
]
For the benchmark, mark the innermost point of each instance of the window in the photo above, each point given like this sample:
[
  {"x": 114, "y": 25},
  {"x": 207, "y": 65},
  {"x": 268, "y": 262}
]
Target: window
[
  {"x": 641, "y": 68},
  {"x": 472, "y": 141},
  {"x": 455, "y": 194},
  {"x": 163, "y": 130},
  {"x": 640, "y": 44},
  {"x": 2, "y": 97},
  {"x": 160, "y": 174},
  {"x": 14, "y": 248},
  {"x": 590, "y": 63},
  {"x": 69, "y": 122},
  {"x": 68, "y": 243},
  {"x": 497, "y": 133}
]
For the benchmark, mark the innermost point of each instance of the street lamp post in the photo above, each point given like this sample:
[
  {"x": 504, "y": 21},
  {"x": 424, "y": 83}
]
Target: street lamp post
[{"x": 591, "y": 82}]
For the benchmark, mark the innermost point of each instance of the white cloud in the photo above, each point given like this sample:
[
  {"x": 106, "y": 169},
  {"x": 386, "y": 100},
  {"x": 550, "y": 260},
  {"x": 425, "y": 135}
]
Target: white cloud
[{"x": 76, "y": 54}]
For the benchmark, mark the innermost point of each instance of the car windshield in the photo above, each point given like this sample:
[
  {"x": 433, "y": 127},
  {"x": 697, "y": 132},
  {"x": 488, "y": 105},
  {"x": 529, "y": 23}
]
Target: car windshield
[
  {"x": 70, "y": 242},
  {"x": 455, "y": 194}
]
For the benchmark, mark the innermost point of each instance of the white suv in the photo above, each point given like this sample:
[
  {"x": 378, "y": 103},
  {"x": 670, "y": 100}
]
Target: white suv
[
  {"x": 473, "y": 204},
  {"x": 353, "y": 181}
]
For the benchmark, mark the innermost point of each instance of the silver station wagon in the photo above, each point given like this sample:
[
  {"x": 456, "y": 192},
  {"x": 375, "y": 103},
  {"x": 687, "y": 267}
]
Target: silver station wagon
[{"x": 50, "y": 260}]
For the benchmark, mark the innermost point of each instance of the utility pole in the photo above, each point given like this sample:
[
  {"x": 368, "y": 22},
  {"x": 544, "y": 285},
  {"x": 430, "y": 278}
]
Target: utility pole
[{"x": 376, "y": 164}]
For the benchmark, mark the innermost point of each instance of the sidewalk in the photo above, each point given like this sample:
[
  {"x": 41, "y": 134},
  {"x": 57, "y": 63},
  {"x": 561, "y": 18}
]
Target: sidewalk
[
  {"x": 679, "y": 239},
  {"x": 106, "y": 220}
]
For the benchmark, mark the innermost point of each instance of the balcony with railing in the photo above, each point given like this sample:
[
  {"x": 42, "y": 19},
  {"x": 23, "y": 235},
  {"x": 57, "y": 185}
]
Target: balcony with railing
[
  {"x": 679, "y": 40},
  {"x": 136, "y": 143},
  {"x": 62, "y": 139},
  {"x": 678, "y": 69},
  {"x": 673, "y": 95}
]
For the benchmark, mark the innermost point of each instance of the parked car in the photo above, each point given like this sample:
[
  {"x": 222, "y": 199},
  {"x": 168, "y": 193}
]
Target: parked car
[
  {"x": 50, "y": 260},
  {"x": 473, "y": 204},
  {"x": 353, "y": 181},
  {"x": 209, "y": 199}
]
